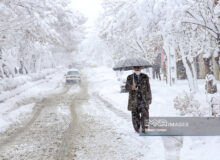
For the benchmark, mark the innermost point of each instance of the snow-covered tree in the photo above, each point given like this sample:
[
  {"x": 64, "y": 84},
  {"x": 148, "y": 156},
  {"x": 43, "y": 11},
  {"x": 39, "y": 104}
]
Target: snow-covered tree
[
  {"x": 31, "y": 31},
  {"x": 183, "y": 29},
  {"x": 205, "y": 14},
  {"x": 120, "y": 28}
]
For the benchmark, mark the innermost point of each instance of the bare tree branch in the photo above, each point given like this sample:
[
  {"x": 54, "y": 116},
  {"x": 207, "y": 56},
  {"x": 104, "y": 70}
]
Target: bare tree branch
[{"x": 202, "y": 25}]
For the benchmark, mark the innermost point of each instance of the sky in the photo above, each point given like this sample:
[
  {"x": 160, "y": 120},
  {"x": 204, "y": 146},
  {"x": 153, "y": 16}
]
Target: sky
[{"x": 90, "y": 8}]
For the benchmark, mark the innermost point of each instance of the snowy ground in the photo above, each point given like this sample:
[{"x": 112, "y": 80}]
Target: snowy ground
[
  {"x": 103, "y": 82},
  {"x": 52, "y": 121}
]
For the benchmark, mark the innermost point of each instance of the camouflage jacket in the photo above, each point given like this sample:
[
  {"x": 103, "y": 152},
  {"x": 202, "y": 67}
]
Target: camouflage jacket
[{"x": 144, "y": 89}]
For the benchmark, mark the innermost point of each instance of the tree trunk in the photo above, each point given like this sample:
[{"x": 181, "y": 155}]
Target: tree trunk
[
  {"x": 202, "y": 72},
  {"x": 170, "y": 64},
  {"x": 215, "y": 68},
  {"x": 207, "y": 63},
  {"x": 1, "y": 71},
  {"x": 210, "y": 85},
  {"x": 192, "y": 84},
  {"x": 194, "y": 72},
  {"x": 190, "y": 71}
]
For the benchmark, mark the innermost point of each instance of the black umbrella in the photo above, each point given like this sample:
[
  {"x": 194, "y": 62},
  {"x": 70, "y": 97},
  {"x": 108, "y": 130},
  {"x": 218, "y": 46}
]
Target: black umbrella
[{"x": 129, "y": 63}]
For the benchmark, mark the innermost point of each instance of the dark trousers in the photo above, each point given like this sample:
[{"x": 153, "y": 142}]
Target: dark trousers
[
  {"x": 140, "y": 117},
  {"x": 156, "y": 75}
]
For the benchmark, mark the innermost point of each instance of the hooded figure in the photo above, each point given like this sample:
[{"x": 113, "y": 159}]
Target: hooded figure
[{"x": 140, "y": 97}]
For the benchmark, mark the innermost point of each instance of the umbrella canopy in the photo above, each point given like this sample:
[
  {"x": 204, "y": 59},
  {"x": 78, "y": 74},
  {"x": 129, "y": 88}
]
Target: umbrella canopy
[{"x": 129, "y": 63}]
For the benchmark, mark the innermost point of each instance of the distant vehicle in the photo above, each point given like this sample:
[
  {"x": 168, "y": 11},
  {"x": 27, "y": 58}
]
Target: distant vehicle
[
  {"x": 123, "y": 83},
  {"x": 123, "y": 79},
  {"x": 73, "y": 76}
]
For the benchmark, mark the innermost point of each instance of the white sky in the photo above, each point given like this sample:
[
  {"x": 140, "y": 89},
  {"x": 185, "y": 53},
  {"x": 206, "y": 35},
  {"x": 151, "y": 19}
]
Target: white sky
[{"x": 90, "y": 8}]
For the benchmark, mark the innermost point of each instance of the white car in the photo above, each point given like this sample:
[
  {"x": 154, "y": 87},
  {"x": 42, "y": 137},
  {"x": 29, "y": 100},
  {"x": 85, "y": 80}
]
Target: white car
[
  {"x": 73, "y": 76},
  {"x": 123, "y": 78},
  {"x": 123, "y": 83}
]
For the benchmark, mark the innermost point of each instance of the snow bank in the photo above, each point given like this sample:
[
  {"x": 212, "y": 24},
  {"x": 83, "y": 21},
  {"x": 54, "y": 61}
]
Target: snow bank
[
  {"x": 19, "y": 102},
  {"x": 9, "y": 84},
  {"x": 12, "y": 83}
]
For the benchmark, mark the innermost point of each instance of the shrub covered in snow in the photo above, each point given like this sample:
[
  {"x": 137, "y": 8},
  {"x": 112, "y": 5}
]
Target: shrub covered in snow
[{"x": 187, "y": 104}]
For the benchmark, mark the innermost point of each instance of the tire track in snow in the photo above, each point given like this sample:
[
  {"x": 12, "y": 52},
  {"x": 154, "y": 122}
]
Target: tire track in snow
[
  {"x": 76, "y": 101},
  {"x": 37, "y": 111},
  {"x": 65, "y": 142},
  {"x": 19, "y": 131}
]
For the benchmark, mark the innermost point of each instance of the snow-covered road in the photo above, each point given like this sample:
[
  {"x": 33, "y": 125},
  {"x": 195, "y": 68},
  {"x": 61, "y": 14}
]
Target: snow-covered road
[
  {"x": 83, "y": 122},
  {"x": 47, "y": 131},
  {"x": 74, "y": 123}
]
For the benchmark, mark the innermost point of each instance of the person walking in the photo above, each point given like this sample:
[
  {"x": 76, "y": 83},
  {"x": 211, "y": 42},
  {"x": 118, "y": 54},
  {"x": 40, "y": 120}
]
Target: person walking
[{"x": 140, "y": 98}]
